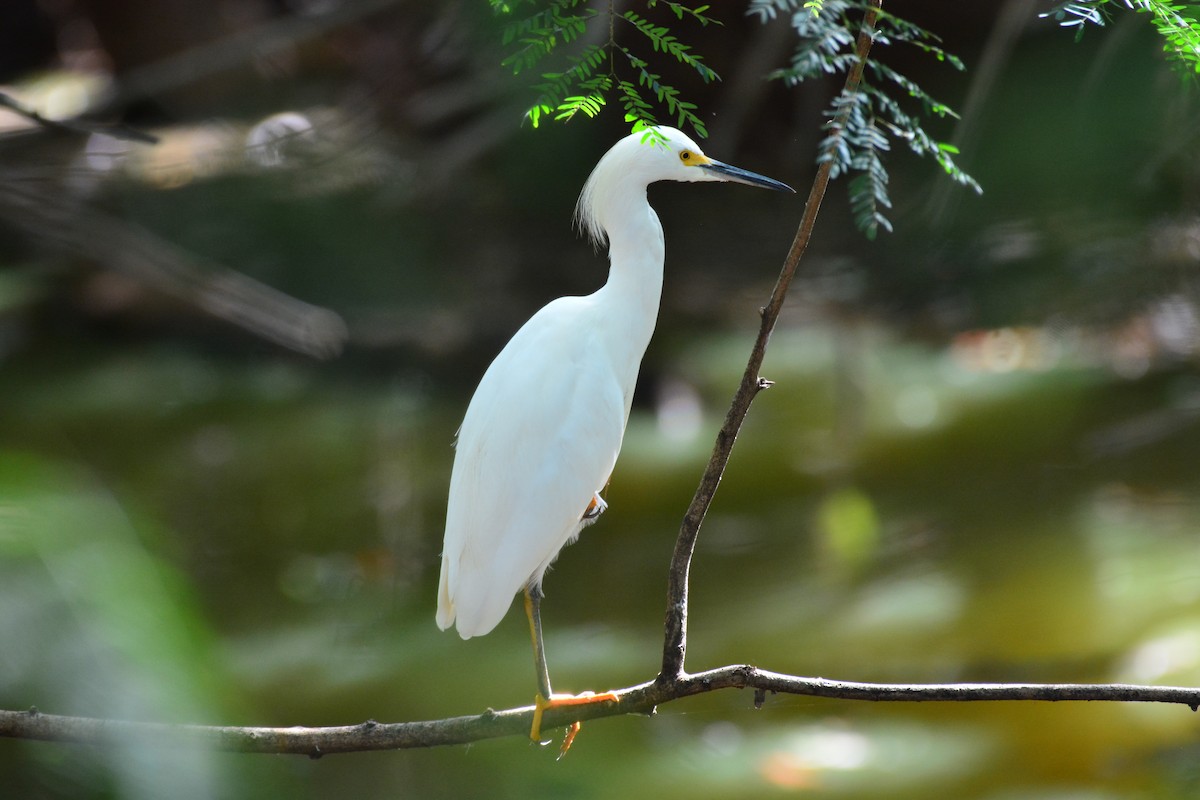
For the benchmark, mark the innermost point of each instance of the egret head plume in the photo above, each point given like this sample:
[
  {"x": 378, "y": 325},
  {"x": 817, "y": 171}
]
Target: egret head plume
[{"x": 641, "y": 158}]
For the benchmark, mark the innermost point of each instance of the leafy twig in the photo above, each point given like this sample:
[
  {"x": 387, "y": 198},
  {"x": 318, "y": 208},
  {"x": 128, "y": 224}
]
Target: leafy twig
[
  {"x": 1177, "y": 23},
  {"x": 582, "y": 87},
  {"x": 873, "y": 119}
]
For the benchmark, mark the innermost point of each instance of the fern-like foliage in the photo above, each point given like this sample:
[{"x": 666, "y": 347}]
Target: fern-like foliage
[
  {"x": 887, "y": 108},
  {"x": 542, "y": 32},
  {"x": 1177, "y": 23},
  {"x": 865, "y": 124},
  {"x": 617, "y": 68}
]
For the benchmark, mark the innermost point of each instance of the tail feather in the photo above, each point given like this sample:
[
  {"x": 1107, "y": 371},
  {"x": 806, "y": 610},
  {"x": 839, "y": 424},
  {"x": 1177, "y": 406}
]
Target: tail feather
[{"x": 445, "y": 610}]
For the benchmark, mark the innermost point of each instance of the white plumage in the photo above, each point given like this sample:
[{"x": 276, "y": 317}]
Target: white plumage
[{"x": 543, "y": 430}]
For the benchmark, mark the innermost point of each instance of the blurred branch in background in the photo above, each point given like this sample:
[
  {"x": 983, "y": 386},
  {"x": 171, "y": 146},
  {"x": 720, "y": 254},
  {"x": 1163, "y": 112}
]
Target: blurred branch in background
[
  {"x": 56, "y": 213},
  {"x": 45, "y": 212},
  {"x": 233, "y": 50},
  {"x": 122, "y": 132},
  {"x": 1014, "y": 15},
  {"x": 120, "y": 62}
]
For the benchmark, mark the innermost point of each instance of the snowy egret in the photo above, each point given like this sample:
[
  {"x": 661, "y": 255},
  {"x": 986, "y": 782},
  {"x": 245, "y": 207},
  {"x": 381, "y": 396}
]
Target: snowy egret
[{"x": 541, "y": 435}]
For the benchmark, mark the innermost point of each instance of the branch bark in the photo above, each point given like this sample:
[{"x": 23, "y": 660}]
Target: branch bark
[
  {"x": 675, "y": 639},
  {"x": 643, "y": 698}
]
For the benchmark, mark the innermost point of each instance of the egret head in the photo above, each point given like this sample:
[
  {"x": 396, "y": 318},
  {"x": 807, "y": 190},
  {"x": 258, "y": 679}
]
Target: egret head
[{"x": 641, "y": 159}]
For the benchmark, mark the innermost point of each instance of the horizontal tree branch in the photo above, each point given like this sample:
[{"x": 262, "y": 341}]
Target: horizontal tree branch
[{"x": 643, "y": 698}]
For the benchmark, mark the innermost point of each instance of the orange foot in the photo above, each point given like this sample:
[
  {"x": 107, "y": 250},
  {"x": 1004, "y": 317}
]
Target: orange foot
[{"x": 540, "y": 704}]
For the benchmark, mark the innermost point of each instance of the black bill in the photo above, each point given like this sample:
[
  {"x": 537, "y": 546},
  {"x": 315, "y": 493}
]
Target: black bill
[{"x": 739, "y": 175}]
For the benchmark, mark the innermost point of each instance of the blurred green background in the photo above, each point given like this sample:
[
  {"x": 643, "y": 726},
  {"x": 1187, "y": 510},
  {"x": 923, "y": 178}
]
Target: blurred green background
[{"x": 979, "y": 461}]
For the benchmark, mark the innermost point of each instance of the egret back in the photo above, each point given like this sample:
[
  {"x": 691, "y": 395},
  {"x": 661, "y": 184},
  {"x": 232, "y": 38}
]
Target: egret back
[{"x": 540, "y": 436}]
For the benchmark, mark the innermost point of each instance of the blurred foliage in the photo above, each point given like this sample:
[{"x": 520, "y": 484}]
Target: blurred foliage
[
  {"x": 95, "y": 622},
  {"x": 1177, "y": 23}
]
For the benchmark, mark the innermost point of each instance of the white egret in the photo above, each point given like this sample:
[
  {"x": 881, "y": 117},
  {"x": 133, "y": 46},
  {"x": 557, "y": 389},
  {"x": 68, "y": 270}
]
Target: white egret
[{"x": 541, "y": 435}]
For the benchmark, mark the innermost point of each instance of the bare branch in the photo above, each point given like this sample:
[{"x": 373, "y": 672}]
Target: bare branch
[
  {"x": 643, "y": 698},
  {"x": 675, "y": 642},
  {"x": 77, "y": 126},
  {"x": 50, "y": 215}
]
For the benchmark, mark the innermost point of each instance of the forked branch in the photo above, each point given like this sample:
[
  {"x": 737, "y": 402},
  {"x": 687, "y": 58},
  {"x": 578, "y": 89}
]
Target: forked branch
[{"x": 675, "y": 641}]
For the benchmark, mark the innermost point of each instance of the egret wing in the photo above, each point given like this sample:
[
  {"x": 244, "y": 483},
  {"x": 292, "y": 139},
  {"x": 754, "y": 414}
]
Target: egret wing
[{"x": 541, "y": 434}]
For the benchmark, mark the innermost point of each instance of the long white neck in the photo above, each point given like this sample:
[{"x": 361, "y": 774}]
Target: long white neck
[{"x": 635, "y": 278}]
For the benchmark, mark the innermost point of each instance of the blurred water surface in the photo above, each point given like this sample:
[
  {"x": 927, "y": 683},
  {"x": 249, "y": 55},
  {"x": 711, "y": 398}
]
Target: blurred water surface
[{"x": 200, "y": 540}]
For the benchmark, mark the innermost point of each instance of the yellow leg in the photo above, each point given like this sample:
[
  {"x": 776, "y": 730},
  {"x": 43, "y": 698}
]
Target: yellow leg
[
  {"x": 545, "y": 697},
  {"x": 533, "y": 603}
]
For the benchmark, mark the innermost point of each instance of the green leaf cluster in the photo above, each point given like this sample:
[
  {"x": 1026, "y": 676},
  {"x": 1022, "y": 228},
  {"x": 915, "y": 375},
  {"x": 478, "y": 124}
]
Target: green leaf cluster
[
  {"x": 1177, "y": 23},
  {"x": 864, "y": 124},
  {"x": 615, "y": 68},
  {"x": 542, "y": 32},
  {"x": 887, "y": 107}
]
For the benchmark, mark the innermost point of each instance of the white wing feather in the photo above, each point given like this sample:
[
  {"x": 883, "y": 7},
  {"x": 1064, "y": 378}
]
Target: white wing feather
[{"x": 540, "y": 436}]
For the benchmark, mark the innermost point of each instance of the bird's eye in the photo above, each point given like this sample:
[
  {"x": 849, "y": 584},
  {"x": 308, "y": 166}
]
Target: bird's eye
[{"x": 685, "y": 156}]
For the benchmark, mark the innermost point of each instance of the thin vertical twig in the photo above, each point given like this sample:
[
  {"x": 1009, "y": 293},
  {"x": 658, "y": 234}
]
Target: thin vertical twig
[{"x": 675, "y": 642}]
